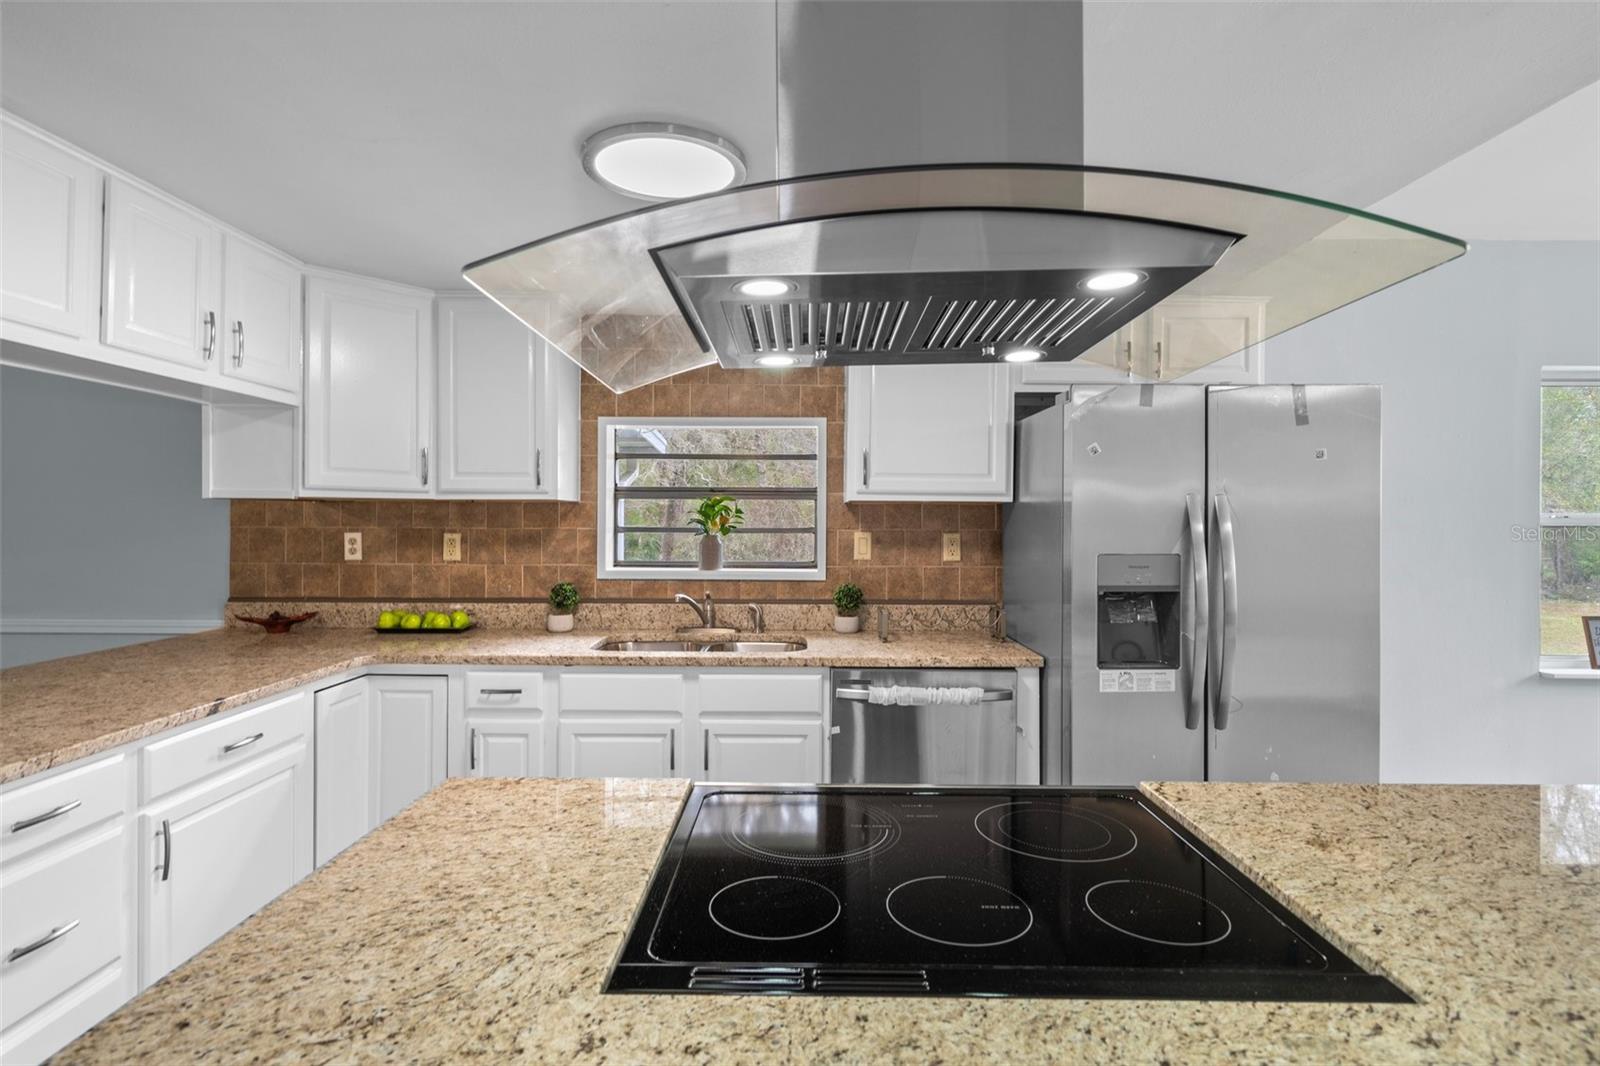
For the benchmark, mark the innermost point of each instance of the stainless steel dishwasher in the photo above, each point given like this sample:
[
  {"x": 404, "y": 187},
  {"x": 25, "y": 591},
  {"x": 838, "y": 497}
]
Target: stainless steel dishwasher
[{"x": 940, "y": 744}]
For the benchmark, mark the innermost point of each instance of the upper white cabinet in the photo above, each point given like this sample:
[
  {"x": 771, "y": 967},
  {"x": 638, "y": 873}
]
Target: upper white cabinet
[
  {"x": 939, "y": 432},
  {"x": 1219, "y": 339},
  {"x": 163, "y": 278},
  {"x": 50, "y": 226},
  {"x": 504, "y": 401},
  {"x": 261, "y": 310},
  {"x": 1105, "y": 363},
  {"x": 369, "y": 386}
]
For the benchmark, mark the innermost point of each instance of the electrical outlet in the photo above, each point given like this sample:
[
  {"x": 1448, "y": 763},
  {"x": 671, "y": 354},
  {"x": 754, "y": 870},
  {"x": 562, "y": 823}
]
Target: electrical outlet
[
  {"x": 452, "y": 547},
  {"x": 352, "y": 547},
  {"x": 863, "y": 544},
  {"x": 952, "y": 547}
]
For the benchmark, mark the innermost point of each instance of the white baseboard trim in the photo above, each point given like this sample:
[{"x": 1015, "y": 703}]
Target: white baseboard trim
[{"x": 109, "y": 626}]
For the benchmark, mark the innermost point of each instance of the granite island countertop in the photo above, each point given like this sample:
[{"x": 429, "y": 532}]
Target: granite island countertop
[
  {"x": 64, "y": 709},
  {"x": 482, "y": 921}
]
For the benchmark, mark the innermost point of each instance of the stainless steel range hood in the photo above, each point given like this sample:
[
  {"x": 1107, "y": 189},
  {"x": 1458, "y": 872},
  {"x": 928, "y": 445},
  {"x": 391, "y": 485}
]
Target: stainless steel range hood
[{"x": 897, "y": 260}]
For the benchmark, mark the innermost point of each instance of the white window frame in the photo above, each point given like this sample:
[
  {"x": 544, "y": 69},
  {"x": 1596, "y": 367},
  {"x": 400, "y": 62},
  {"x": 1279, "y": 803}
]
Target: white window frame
[
  {"x": 1560, "y": 665},
  {"x": 606, "y": 565}
]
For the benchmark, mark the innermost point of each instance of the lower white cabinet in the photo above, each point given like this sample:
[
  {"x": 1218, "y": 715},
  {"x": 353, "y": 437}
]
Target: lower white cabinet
[
  {"x": 618, "y": 748},
  {"x": 214, "y": 855},
  {"x": 761, "y": 752},
  {"x": 505, "y": 745},
  {"x": 408, "y": 736},
  {"x": 344, "y": 767}
]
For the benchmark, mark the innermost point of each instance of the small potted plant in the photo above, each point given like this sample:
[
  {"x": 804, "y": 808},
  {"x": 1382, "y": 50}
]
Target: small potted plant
[
  {"x": 715, "y": 517},
  {"x": 847, "y": 600},
  {"x": 563, "y": 602}
]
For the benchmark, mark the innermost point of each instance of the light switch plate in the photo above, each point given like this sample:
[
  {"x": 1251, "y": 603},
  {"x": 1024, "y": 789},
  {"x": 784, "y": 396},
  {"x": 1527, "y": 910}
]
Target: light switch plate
[
  {"x": 352, "y": 547},
  {"x": 952, "y": 547},
  {"x": 863, "y": 544},
  {"x": 452, "y": 547}
]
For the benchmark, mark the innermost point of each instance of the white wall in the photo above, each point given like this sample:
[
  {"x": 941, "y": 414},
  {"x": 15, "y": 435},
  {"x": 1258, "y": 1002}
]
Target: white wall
[
  {"x": 1458, "y": 353},
  {"x": 103, "y": 535}
]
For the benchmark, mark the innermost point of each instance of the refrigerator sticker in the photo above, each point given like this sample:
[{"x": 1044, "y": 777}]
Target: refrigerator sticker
[{"x": 1138, "y": 681}]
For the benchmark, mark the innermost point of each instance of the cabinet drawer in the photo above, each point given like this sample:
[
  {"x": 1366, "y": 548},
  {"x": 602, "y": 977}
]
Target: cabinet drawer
[
  {"x": 505, "y": 691},
  {"x": 75, "y": 894},
  {"x": 182, "y": 760},
  {"x": 779, "y": 693},
  {"x": 43, "y": 812},
  {"x": 627, "y": 691}
]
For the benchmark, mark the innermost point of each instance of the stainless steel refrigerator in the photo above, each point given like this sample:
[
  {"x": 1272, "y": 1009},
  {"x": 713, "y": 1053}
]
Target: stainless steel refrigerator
[{"x": 1199, "y": 568}]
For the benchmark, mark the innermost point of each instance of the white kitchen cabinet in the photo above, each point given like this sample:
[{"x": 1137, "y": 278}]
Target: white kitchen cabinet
[
  {"x": 761, "y": 751},
  {"x": 408, "y": 740},
  {"x": 50, "y": 215},
  {"x": 938, "y": 432},
  {"x": 504, "y": 401},
  {"x": 502, "y": 744},
  {"x": 621, "y": 747},
  {"x": 1214, "y": 339},
  {"x": 262, "y": 315},
  {"x": 345, "y": 804},
  {"x": 368, "y": 397},
  {"x": 163, "y": 278},
  {"x": 213, "y": 856},
  {"x": 247, "y": 451},
  {"x": 1105, "y": 363}
]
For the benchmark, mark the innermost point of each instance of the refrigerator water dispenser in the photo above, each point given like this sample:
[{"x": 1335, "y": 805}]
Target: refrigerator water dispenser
[{"x": 1138, "y": 606}]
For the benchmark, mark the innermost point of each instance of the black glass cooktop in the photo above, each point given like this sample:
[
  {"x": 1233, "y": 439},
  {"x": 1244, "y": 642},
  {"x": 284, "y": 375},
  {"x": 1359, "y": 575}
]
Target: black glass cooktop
[{"x": 1022, "y": 892}]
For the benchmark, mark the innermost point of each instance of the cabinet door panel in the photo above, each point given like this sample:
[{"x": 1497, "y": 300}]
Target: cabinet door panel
[
  {"x": 1207, "y": 340},
  {"x": 506, "y": 746},
  {"x": 762, "y": 752},
  {"x": 618, "y": 749},
  {"x": 162, "y": 278},
  {"x": 929, "y": 432},
  {"x": 408, "y": 731},
  {"x": 49, "y": 208},
  {"x": 261, "y": 303},
  {"x": 368, "y": 389},
  {"x": 491, "y": 407},
  {"x": 345, "y": 811}
]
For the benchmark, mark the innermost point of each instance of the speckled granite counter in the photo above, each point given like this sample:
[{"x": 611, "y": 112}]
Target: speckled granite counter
[
  {"x": 64, "y": 709},
  {"x": 481, "y": 922}
]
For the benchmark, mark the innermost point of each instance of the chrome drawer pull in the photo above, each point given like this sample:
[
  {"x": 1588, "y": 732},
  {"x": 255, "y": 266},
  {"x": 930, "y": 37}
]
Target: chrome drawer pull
[
  {"x": 245, "y": 743},
  {"x": 499, "y": 692},
  {"x": 29, "y": 823},
  {"x": 49, "y": 938},
  {"x": 166, "y": 849}
]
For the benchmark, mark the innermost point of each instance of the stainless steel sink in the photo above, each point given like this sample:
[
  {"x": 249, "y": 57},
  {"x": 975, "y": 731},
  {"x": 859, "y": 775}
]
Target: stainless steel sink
[{"x": 698, "y": 646}]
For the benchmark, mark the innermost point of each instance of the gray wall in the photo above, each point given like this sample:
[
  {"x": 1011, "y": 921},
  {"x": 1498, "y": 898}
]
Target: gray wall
[
  {"x": 1458, "y": 352},
  {"x": 101, "y": 518}
]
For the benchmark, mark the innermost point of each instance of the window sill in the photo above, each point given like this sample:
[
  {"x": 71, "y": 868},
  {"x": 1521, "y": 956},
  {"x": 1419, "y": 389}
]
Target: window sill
[
  {"x": 1567, "y": 669},
  {"x": 686, "y": 573}
]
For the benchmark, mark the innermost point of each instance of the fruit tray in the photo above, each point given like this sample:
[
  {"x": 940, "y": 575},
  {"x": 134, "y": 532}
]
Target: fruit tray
[{"x": 419, "y": 632}]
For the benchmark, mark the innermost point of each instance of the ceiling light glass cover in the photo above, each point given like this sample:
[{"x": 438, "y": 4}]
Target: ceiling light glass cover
[
  {"x": 662, "y": 160},
  {"x": 605, "y": 296}
]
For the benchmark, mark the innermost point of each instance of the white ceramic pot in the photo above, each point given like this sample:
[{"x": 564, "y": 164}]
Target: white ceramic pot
[
  {"x": 558, "y": 623},
  {"x": 841, "y": 624},
  {"x": 710, "y": 553}
]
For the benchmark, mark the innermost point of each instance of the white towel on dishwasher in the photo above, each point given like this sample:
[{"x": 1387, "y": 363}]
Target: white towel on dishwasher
[{"x": 922, "y": 696}]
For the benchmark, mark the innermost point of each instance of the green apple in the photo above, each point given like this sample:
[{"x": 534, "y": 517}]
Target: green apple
[
  {"x": 440, "y": 621},
  {"x": 388, "y": 620},
  {"x": 460, "y": 619},
  {"x": 411, "y": 621}
]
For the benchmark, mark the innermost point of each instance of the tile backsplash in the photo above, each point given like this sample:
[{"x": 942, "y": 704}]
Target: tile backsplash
[{"x": 293, "y": 549}]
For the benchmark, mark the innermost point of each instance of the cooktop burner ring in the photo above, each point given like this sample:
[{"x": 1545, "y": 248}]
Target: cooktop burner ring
[
  {"x": 996, "y": 829},
  {"x": 999, "y": 900},
  {"x": 1088, "y": 901},
  {"x": 885, "y": 829},
  {"x": 747, "y": 893}
]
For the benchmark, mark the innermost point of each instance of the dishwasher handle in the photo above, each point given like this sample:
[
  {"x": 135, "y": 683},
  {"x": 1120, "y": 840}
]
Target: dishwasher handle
[{"x": 860, "y": 695}]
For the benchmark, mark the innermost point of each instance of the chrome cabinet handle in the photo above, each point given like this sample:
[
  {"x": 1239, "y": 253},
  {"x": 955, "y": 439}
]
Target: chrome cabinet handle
[
  {"x": 424, "y": 466},
  {"x": 672, "y": 749},
  {"x": 211, "y": 335},
  {"x": 166, "y": 849},
  {"x": 245, "y": 743},
  {"x": 499, "y": 692},
  {"x": 1230, "y": 611},
  {"x": 1195, "y": 711},
  {"x": 54, "y": 812},
  {"x": 538, "y": 469},
  {"x": 49, "y": 938},
  {"x": 472, "y": 749},
  {"x": 865, "y": 456},
  {"x": 238, "y": 342},
  {"x": 707, "y": 734}
]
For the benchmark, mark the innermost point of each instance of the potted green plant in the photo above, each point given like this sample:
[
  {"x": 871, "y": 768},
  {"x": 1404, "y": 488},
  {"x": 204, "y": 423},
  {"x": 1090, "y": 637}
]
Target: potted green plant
[
  {"x": 715, "y": 517},
  {"x": 563, "y": 602},
  {"x": 847, "y": 600}
]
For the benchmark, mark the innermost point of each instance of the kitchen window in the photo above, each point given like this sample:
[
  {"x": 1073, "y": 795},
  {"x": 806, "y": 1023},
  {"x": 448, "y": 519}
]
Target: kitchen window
[
  {"x": 653, "y": 472},
  {"x": 1569, "y": 512}
]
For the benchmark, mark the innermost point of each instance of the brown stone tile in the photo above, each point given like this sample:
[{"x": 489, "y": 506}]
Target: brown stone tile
[
  {"x": 981, "y": 583},
  {"x": 355, "y": 513},
  {"x": 924, "y": 547},
  {"x": 266, "y": 545},
  {"x": 524, "y": 546},
  {"x": 468, "y": 514},
  {"x": 392, "y": 513},
  {"x": 561, "y": 546},
  {"x": 636, "y": 403},
  {"x": 357, "y": 581},
  {"x": 579, "y": 515},
  {"x": 536, "y": 581},
  {"x": 248, "y": 513},
  {"x": 673, "y": 401},
  {"x": 888, "y": 547},
  {"x": 238, "y": 542},
  {"x": 486, "y": 546},
  {"x": 840, "y": 514},
  {"x": 874, "y": 582},
  {"x": 941, "y": 583},
  {"x": 830, "y": 375},
  {"x": 835, "y": 468},
  {"x": 467, "y": 580},
  {"x": 872, "y": 516},
  {"x": 392, "y": 580},
  {"x": 303, "y": 544},
  {"x": 903, "y": 516},
  {"x": 980, "y": 516},
  {"x": 904, "y": 583},
  {"x": 332, "y": 544},
  {"x": 431, "y": 580},
  {"x": 981, "y": 547},
  {"x": 503, "y": 514},
  {"x": 587, "y": 548},
  {"x": 781, "y": 401},
  {"x": 945, "y": 517},
  {"x": 319, "y": 580},
  {"x": 247, "y": 579},
  {"x": 541, "y": 514},
  {"x": 596, "y": 401},
  {"x": 503, "y": 581},
  {"x": 818, "y": 401},
  {"x": 713, "y": 401},
  {"x": 282, "y": 513},
  {"x": 417, "y": 545},
  {"x": 325, "y": 513},
  {"x": 430, "y": 514},
  {"x": 377, "y": 545}
]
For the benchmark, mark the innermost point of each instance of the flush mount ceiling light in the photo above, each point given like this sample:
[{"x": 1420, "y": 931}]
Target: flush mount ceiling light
[
  {"x": 1023, "y": 355},
  {"x": 1112, "y": 281},
  {"x": 775, "y": 360},
  {"x": 662, "y": 160},
  {"x": 763, "y": 287}
]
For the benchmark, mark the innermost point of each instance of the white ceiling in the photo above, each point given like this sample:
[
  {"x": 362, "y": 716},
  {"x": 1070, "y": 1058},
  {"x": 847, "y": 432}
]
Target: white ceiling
[{"x": 403, "y": 140}]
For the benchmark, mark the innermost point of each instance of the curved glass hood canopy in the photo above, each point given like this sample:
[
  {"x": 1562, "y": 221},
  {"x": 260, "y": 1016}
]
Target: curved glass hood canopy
[{"x": 953, "y": 263}]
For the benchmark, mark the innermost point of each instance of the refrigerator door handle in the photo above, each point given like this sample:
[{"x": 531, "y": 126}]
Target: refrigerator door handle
[
  {"x": 1194, "y": 712},
  {"x": 1230, "y": 610}
]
